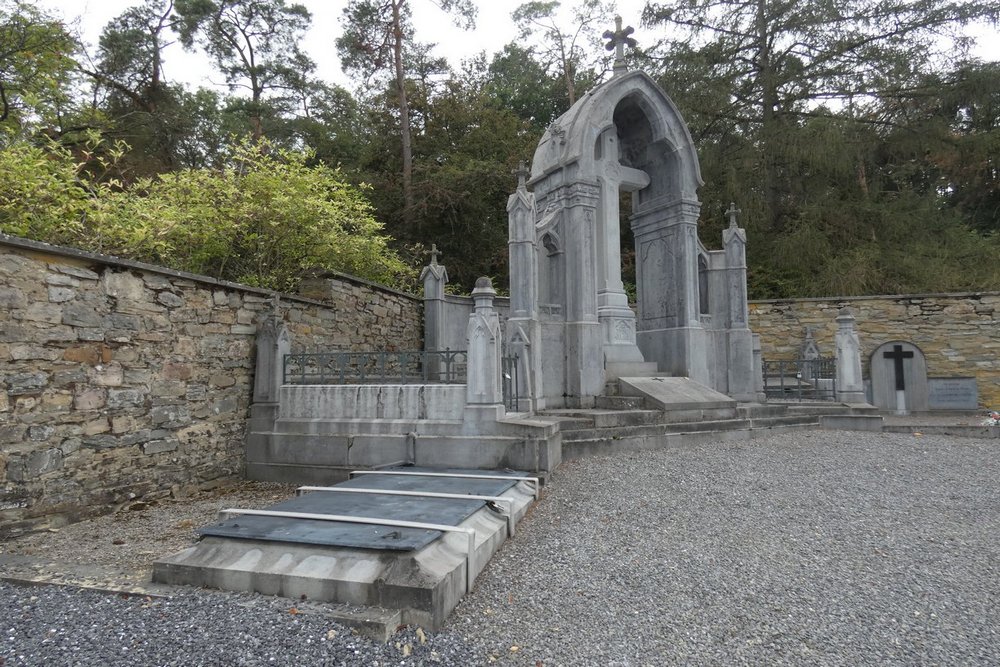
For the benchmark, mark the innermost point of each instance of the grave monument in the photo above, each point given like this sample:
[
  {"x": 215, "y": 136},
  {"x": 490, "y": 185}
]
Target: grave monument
[{"x": 570, "y": 317}]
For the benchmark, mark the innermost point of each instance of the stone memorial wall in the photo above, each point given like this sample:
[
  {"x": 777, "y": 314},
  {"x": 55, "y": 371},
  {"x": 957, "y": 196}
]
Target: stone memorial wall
[
  {"x": 959, "y": 334},
  {"x": 121, "y": 381}
]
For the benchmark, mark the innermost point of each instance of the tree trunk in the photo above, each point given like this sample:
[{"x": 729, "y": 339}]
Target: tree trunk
[
  {"x": 404, "y": 115},
  {"x": 769, "y": 120}
]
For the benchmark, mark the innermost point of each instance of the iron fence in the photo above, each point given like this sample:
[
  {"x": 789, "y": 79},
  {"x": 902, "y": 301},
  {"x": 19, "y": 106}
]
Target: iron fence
[
  {"x": 801, "y": 379},
  {"x": 424, "y": 367}
]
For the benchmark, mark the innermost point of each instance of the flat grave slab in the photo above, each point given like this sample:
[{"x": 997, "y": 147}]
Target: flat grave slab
[{"x": 443, "y": 511}]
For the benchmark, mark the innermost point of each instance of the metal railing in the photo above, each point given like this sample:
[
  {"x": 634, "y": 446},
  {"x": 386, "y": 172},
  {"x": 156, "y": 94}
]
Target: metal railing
[
  {"x": 423, "y": 367},
  {"x": 801, "y": 379}
]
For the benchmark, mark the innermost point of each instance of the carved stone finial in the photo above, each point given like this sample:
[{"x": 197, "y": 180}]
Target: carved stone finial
[
  {"x": 434, "y": 253},
  {"x": 733, "y": 212},
  {"x": 617, "y": 41},
  {"x": 522, "y": 174}
]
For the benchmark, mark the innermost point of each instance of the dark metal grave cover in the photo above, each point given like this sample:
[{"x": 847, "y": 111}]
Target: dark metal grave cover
[{"x": 443, "y": 511}]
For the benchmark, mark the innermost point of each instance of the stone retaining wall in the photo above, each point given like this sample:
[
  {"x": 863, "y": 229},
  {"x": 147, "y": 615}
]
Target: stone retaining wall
[
  {"x": 958, "y": 333},
  {"x": 120, "y": 380}
]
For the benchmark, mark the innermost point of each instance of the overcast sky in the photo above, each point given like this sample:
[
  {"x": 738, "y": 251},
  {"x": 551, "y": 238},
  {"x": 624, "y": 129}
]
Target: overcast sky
[{"x": 493, "y": 30}]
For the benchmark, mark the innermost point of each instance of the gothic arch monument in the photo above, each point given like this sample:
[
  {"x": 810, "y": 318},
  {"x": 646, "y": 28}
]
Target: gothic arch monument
[{"x": 570, "y": 320}]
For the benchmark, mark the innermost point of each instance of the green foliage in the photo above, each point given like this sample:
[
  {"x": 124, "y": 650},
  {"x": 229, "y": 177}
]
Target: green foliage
[
  {"x": 35, "y": 65},
  {"x": 41, "y": 196},
  {"x": 264, "y": 218}
]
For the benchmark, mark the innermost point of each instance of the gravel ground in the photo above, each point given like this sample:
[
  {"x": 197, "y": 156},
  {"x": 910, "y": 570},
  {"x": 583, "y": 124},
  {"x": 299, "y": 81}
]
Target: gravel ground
[{"x": 814, "y": 547}]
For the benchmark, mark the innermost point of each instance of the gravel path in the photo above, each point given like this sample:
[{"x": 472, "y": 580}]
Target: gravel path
[{"x": 816, "y": 547}]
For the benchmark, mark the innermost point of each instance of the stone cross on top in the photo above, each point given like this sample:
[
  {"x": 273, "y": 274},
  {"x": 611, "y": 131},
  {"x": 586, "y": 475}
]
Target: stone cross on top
[
  {"x": 733, "y": 212},
  {"x": 434, "y": 253},
  {"x": 522, "y": 172},
  {"x": 617, "y": 41}
]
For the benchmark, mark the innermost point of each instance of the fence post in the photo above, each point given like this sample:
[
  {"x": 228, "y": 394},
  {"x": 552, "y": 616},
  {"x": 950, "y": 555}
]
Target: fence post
[
  {"x": 273, "y": 343},
  {"x": 484, "y": 391},
  {"x": 850, "y": 387}
]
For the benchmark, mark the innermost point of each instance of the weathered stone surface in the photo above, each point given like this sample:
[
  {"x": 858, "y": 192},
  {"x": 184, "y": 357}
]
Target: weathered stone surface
[
  {"x": 75, "y": 271},
  {"x": 107, "y": 375},
  {"x": 125, "y": 398},
  {"x": 176, "y": 371},
  {"x": 12, "y": 297},
  {"x": 61, "y": 279},
  {"x": 81, "y": 315},
  {"x": 170, "y": 300},
  {"x": 124, "y": 285},
  {"x": 160, "y": 446},
  {"x": 26, "y": 352},
  {"x": 963, "y": 342},
  {"x": 147, "y": 390},
  {"x": 42, "y": 462},
  {"x": 61, "y": 294},
  {"x": 88, "y": 354},
  {"x": 23, "y": 383},
  {"x": 41, "y": 433},
  {"x": 43, "y": 312}
]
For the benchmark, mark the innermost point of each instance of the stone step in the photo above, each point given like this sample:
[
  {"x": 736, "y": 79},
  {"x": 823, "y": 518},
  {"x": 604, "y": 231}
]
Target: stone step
[
  {"x": 654, "y": 429},
  {"x": 610, "y": 445},
  {"x": 619, "y": 402},
  {"x": 755, "y": 410},
  {"x": 831, "y": 409}
]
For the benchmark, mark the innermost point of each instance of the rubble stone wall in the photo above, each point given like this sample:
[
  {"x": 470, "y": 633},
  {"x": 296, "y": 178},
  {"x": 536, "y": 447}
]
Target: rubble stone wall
[
  {"x": 958, "y": 333},
  {"x": 121, "y": 381}
]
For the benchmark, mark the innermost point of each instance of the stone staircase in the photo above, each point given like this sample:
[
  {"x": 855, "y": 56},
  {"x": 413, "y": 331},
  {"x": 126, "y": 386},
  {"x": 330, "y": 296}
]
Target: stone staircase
[{"x": 619, "y": 424}]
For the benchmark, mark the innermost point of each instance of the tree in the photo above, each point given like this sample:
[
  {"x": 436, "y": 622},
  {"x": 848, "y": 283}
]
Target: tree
[
  {"x": 255, "y": 43},
  {"x": 36, "y": 62},
  {"x": 778, "y": 60},
  {"x": 377, "y": 34},
  {"x": 565, "y": 48},
  {"x": 263, "y": 218}
]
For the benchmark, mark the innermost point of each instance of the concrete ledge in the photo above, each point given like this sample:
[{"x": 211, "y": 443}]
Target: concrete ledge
[
  {"x": 961, "y": 431},
  {"x": 851, "y": 422}
]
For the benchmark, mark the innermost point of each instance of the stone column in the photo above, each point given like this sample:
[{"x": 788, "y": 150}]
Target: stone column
[
  {"x": 758, "y": 369},
  {"x": 850, "y": 385},
  {"x": 523, "y": 328},
  {"x": 484, "y": 391},
  {"x": 273, "y": 343},
  {"x": 741, "y": 363},
  {"x": 435, "y": 278},
  {"x": 584, "y": 363}
]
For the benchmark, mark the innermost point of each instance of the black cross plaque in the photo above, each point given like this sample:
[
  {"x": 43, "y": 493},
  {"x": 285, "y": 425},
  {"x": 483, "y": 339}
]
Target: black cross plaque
[{"x": 897, "y": 355}]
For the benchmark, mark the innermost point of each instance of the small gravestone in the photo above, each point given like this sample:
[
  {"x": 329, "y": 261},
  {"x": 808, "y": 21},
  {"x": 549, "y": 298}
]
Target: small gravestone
[
  {"x": 952, "y": 393},
  {"x": 899, "y": 378}
]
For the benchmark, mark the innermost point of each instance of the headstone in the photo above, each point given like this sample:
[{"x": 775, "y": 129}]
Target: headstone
[
  {"x": 849, "y": 382},
  {"x": 952, "y": 393},
  {"x": 899, "y": 378}
]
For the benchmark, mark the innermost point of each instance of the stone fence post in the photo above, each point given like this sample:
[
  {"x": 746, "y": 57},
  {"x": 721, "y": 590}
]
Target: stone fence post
[
  {"x": 484, "y": 391},
  {"x": 850, "y": 385},
  {"x": 273, "y": 343},
  {"x": 435, "y": 278}
]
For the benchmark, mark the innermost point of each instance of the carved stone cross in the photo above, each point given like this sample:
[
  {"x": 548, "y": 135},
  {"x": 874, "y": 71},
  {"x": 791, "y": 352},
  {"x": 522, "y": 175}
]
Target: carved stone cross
[
  {"x": 732, "y": 213},
  {"x": 522, "y": 174},
  {"x": 434, "y": 253},
  {"x": 617, "y": 41}
]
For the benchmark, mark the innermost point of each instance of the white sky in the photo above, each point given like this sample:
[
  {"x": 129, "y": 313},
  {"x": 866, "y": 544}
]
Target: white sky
[{"x": 493, "y": 30}]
